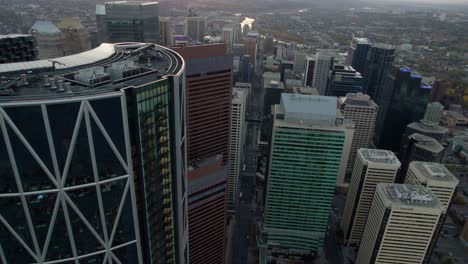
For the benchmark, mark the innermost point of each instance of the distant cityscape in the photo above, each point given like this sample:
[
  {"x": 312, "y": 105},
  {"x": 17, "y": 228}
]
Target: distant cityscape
[{"x": 215, "y": 132}]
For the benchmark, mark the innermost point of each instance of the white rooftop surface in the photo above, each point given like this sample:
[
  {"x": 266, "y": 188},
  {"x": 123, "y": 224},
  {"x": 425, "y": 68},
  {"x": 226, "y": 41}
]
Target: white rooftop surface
[
  {"x": 406, "y": 195},
  {"x": 364, "y": 41},
  {"x": 379, "y": 156},
  {"x": 320, "y": 109},
  {"x": 102, "y": 52},
  {"x": 434, "y": 171}
]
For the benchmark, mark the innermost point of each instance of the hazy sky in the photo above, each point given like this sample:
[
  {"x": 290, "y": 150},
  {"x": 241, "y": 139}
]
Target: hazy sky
[{"x": 431, "y": 1}]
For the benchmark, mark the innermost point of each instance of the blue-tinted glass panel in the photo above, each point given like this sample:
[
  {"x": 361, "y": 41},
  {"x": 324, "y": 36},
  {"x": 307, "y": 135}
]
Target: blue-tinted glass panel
[
  {"x": 6, "y": 173},
  {"x": 108, "y": 165},
  {"x": 11, "y": 209},
  {"x": 109, "y": 112},
  {"x": 62, "y": 118},
  {"x": 87, "y": 202},
  {"x": 59, "y": 247},
  {"x": 41, "y": 207},
  {"x": 112, "y": 194},
  {"x": 33, "y": 177},
  {"x": 31, "y": 125},
  {"x": 81, "y": 167},
  {"x": 127, "y": 254}
]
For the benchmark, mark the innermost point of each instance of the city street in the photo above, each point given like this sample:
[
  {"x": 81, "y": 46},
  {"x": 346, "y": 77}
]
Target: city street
[{"x": 243, "y": 241}]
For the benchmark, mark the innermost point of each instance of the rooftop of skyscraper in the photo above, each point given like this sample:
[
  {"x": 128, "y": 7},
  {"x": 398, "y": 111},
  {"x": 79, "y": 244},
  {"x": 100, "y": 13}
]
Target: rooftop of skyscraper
[
  {"x": 379, "y": 156},
  {"x": 362, "y": 41},
  {"x": 309, "y": 110},
  {"x": 434, "y": 171},
  {"x": 359, "y": 99},
  {"x": 404, "y": 195},
  {"x": 427, "y": 143},
  {"x": 108, "y": 67}
]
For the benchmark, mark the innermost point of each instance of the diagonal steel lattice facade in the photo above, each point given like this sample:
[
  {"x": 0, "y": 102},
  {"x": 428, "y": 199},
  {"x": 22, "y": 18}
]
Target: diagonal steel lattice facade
[{"x": 67, "y": 191}]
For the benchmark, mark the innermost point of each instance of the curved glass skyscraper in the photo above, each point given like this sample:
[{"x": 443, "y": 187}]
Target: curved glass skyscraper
[{"x": 92, "y": 158}]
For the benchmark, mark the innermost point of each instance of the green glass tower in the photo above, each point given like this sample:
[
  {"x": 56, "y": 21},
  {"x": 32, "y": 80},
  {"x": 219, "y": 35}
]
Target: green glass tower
[{"x": 309, "y": 150}]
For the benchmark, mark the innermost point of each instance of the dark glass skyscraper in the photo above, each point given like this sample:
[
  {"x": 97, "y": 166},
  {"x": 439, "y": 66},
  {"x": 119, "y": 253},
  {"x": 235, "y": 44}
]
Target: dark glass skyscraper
[
  {"x": 92, "y": 158},
  {"x": 357, "y": 53},
  {"x": 403, "y": 100},
  {"x": 379, "y": 60},
  {"x": 343, "y": 80},
  {"x": 124, "y": 21}
]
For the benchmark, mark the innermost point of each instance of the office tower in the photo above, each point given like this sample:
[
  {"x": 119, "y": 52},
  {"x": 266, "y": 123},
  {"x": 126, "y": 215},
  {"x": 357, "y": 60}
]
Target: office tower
[
  {"x": 379, "y": 59},
  {"x": 207, "y": 210},
  {"x": 428, "y": 126},
  {"x": 166, "y": 31},
  {"x": 17, "y": 48},
  {"x": 309, "y": 151},
  {"x": 50, "y": 42},
  {"x": 228, "y": 37},
  {"x": 300, "y": 59},
  {"x": 86, "y": 145},
  {"x": 238, "y": 33},
  {"x": 420, "y": 148},
  {"x": 236, "y": 144},
  {"x": 76, "y": 36},
  {"x": 400, "y": 225},
  {"x": 435, "y": 177},
  {"x": 343, "y": 80},
  {"x": 127, "y": 21},
  {"x": 245, "y": 69},
  {"x": 360, "y": 109},
  {"x": 309, "y": 72},
  {"x": 209, "y": 96},
  {"x": 179, "y": 29},
  {"x": 403, "y": 100},
  {"x": 268, "y": 43},
  {"x": 357, "y": 53},
  {"x": 437, "y": 91},
  {"x": 196, "y": 27},
  {"x": 250, "y": 48},
  {"x": 324, "y": 63},
  {"x": 373, "y": 166},
  {"x": 209, "y": 92}
]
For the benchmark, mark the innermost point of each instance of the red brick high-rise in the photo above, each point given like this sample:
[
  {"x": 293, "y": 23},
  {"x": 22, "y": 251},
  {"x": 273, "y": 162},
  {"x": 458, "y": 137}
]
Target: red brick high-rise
[{"x": 209, "y": 90}]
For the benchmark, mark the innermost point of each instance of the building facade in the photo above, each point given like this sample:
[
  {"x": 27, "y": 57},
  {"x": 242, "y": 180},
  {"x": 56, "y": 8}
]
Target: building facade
[
  {"x": 207, "y": 210},
  {"x": 309, "y": 71},
  {"x": 166, "y": 31},
  {"x": 209, "y": 92},
  {"x": 401, "y": 224},
  {"x": 128, "y": 21},
  {"x": 209, "y": 97},
  {"x": 380, "y": 58},
  {"x": 373, "y": 166},
  {"x": 403, "y": 100},
  {"x": 344, "y": 80},
  {"x": 17, "y": 48},
  {"x": 50, "y": 41},
  {"x": 360, "y": 109},
  {"x": 100, "y": 177},
  {"x": 310, "y": 142},
  {"x": 76, "y": 36},
  {"x": 236, "y": 144},
  {"x": 357, "y": 53},
  {"x": 420, "y": 148},
  {"x": 441, "y": 182},
  {"x": 196, "y": 27},
  {"x": 324, "y": 63}
]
